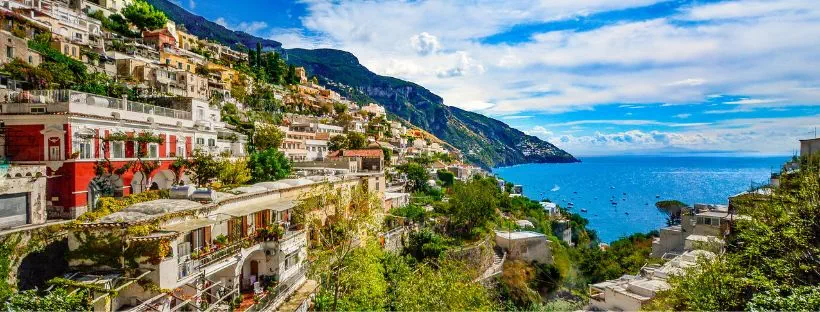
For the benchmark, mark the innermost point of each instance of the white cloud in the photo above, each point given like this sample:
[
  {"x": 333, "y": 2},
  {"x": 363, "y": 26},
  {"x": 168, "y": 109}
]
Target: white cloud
[
  {"x": 425, "y": 43},
  {"x": 249, "y": 27},
  {"x": 755, "y": 101},
  {"x": 761, "y": 52},
  {"x": 683, "y": 116},
  {"x": 776, "y": 136},
  {"x": 729, "y": 111},
  {"x": 513, "y": 117},
  {"x": 626, "y": 122},
  {"x": 464, "y": 65},
  {"x": 691, "y": 82},
  {"x": 539, "y": 131}
]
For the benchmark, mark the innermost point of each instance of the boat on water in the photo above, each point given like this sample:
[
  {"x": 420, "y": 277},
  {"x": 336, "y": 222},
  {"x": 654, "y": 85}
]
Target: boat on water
[
  {"x": 583, "y": 210},
  {"x": 627, "y": 213},
  {"x": 570, "y": 204},
  {"x": 612, "y": 187},
  {"x": 657, "y": 196},
  {"x": 555, "y": 188}
]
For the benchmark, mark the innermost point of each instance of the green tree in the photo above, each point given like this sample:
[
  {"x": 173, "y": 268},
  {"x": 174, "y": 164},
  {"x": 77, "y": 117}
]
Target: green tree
[
  {"x": 267, "y": 137},
  {"x": 203, "y": 167},
  {"x": 336, "y": 143},
  {"x": 269, "y": 165},
  {"x": 362, "y": 283},
  {"x": 339, "y": 108},
  {"x": 425, "y": 244},
  {"x": 672, "y": 209},
  {"x": 57, "y": 300},
  {"x": 447, "y": 178},
  {"x": 472, "y": 206},
  {"x": 144, "y": 15},
  {"x": 771, "y": 258},
  {"x": 417, "y": 176},
  {"x": 356, "y": 140},
  {"x": 446, "y": 286},
  {"x": 354, "y": 221},
  {"x": 234, "y": 172}
]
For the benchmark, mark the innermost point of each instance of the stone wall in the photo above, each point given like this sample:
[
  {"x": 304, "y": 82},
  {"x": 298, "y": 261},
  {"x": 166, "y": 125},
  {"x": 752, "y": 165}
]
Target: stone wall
[
  {"x": 478, "y": 255},
  {"x": 20, "y": 245}
]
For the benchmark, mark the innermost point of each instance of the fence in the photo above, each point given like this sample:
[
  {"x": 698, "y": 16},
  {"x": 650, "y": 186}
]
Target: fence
[{"x": 59, "y": 100}]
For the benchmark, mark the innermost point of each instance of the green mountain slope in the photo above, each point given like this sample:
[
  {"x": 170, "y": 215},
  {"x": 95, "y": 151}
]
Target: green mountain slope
[
  {"x": 483, "y": 140},
  {"x": 204, "y": 28}
]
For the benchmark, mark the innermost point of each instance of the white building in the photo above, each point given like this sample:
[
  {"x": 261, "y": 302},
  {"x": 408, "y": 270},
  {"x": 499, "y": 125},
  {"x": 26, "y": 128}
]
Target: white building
[
  {"x": 632, "y": 292},
  {"x": 525, "y": 245},
  {"x": 550, "y": 208},
  {"x": 375, "y": 109},
  {"x": 809, "y": 146}
]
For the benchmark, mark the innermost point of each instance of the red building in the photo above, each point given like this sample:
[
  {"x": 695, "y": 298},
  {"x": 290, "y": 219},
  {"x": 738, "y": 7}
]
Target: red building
[
  {"x": 70, "y": 132},
  {"x": 159, "y": 38}
]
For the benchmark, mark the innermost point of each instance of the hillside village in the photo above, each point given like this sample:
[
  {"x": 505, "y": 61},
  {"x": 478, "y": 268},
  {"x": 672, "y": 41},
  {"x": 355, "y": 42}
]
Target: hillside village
[
  {"x": 109, "y": 125},
  {"x": 146, "y": 169}
]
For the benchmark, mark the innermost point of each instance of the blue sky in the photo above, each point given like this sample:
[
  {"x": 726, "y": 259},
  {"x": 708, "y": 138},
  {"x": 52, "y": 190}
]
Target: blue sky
[{"x": 593, "y": 77}]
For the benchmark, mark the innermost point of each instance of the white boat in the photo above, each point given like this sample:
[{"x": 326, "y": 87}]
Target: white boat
[{"x": 555, "y": 188}]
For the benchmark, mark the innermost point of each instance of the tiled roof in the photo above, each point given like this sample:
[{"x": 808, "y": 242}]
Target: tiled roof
[{"x": 357, "y": 153}]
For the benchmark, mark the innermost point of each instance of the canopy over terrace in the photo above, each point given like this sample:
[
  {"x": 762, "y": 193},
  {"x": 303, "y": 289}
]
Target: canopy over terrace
[{"x": 244, "y": 210}]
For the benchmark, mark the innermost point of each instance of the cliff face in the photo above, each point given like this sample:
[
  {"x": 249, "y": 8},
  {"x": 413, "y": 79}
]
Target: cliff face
[{"x": 483, "y": 140}]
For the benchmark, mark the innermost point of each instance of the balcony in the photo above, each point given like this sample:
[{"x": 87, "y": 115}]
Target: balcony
[
  {"x": 63, "y": 101},
  {"x": 276, "y": 294}
]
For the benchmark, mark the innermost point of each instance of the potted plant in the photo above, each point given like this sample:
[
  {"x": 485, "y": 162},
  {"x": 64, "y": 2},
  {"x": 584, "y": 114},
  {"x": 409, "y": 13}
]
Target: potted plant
[{"x": 221, "y": 240}]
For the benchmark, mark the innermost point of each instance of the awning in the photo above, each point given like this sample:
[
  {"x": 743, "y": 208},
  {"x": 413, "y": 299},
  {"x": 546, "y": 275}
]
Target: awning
[
  {"x": 276, "y": 205},
  {"x": 189, "y": 225}
]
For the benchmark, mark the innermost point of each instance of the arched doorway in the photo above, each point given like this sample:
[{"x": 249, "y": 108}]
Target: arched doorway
[
  {"x": 138, "y": 183},
  {"x": 253, "y": 269},
  {"x": 164, "y": 179},
  {"x": 93, "y": 195}
]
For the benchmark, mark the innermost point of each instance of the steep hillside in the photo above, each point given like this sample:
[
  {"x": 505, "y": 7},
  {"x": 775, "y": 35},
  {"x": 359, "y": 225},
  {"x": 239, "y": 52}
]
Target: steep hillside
[
  {"x": 204, "y": 28},
  {"x": 483, "y": 140}
]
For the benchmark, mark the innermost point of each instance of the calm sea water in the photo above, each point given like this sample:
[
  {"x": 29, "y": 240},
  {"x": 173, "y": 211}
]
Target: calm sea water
[{"x": 636, "y": 183}]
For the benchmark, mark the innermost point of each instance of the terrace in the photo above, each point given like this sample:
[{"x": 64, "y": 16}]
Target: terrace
[{"x": 69, "y": 101}]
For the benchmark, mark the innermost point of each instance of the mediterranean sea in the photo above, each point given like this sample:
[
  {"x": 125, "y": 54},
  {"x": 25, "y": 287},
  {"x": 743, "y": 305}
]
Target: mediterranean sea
[{"x": 635, "y": 183}]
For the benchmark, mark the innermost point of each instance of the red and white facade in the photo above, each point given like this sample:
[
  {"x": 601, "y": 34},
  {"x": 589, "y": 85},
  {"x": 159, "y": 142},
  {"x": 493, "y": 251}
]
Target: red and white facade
[{"x": 66, "y": 131}]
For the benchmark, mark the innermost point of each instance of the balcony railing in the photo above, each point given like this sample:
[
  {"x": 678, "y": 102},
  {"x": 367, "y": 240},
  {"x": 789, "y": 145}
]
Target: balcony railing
[
  {"x": 59, "y": 101},
  {"x": 281, "y": 290}
]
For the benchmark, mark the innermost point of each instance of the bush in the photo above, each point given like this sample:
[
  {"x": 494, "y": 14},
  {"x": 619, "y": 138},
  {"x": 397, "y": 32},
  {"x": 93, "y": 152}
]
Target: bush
[
  {"x": 425, "y": 244},
  {"x": 109, "y": 205},
  {"x": 269, "y": 165},
  {"x": 446, "y": 177}
]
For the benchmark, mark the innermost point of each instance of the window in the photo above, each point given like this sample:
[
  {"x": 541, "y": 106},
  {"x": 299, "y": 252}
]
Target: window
[
  {"x": 38, "y": 109},
  {"x": 212, "y": 142},
  {"x": 84, "y": 148},
  {"x": 117, "y": 149},
  {"x": 30, "y": 59},
  {"x": 200, "y": 141},
  {"x": 167, "y": 61},
  {"x": 180, "y": 151},
  {"x": 189, "y": 67},
  {"x": 291, "y": 260},
  {"x": 707, "y": 221},
  {"x": 54, "y": 153},
  {"x": 65, "y": 50},
  {"x": 179, "y": 65},
  {"x": 73, "y": 51},
  {"x": 153, "y": 150},
  {"x": 10, "y": 52}
]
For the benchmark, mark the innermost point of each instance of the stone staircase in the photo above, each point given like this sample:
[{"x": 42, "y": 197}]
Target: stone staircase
[{"x": 497, "y": 267}]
